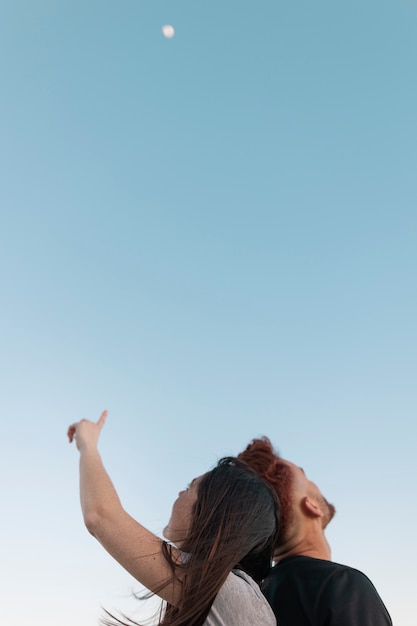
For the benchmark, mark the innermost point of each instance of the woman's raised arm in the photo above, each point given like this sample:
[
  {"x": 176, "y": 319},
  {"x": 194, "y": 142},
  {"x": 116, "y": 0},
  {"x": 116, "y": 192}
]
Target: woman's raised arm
[{"x": 137, "y": 549}]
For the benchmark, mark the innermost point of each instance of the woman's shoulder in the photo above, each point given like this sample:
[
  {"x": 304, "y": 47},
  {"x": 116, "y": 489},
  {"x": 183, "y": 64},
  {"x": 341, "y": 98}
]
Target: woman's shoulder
[{"x": 240, "y": 602}]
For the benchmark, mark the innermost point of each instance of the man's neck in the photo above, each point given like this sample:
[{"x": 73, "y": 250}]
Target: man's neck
[{"x": 316, "y": 549}]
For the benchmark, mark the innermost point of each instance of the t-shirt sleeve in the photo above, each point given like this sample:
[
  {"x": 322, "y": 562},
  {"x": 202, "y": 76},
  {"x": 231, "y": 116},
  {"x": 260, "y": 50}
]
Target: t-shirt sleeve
[
  {"x": 240, "y": 602},
  {"x": 348, "y": 598}
]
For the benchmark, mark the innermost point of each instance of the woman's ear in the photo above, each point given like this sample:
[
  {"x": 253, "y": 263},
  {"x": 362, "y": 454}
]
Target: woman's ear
[{"x": 311, "y": 508}]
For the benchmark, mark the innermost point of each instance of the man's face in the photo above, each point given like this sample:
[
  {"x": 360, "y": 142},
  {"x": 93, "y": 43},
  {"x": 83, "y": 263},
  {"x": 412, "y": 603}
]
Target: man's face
[{"x": 303, "y": 487}]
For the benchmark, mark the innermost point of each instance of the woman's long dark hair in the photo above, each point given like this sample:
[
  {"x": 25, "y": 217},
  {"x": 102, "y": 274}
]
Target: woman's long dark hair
[{"x": 234, "y": 524}]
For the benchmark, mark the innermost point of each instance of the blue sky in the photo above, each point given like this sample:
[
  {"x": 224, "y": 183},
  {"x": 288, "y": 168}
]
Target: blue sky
[{"x": 213, "y": 237}]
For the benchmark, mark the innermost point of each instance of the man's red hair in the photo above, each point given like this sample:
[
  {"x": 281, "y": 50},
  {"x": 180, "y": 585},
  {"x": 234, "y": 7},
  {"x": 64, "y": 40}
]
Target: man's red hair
[{"x": 261, "y": 457}]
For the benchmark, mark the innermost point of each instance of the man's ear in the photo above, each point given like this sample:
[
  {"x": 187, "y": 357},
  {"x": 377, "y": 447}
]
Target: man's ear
[{"x": 311, "y": 508}]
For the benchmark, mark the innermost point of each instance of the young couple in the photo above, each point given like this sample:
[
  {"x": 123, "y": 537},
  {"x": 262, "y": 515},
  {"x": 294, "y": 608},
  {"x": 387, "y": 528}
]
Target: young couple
[{"x": 224, "y": 531}]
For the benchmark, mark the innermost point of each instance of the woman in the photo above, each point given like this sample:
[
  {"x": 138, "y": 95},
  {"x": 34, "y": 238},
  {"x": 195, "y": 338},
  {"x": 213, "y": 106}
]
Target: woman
[{"x": 223, "y": 528}]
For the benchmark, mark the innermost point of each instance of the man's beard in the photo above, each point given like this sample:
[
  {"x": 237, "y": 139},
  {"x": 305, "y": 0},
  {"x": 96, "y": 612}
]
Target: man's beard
[{"x": 329, "y": 511}]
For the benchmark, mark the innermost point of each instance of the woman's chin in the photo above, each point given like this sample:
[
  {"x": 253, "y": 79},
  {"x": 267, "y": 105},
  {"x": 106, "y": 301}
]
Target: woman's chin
[{"x": 173, "y": 537}]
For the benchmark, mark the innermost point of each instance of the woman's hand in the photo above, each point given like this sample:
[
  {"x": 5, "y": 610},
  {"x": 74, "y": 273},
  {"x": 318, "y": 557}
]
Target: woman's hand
[{"x": 86, "y": 433}]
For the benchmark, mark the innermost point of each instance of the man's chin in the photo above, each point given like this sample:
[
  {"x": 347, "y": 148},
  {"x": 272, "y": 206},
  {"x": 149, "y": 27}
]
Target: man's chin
[{"x": 331, "y": 512}]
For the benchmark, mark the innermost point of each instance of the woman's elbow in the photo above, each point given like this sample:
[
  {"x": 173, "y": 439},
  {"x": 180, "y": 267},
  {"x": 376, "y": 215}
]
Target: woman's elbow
[{"x": 93, "y": 522}]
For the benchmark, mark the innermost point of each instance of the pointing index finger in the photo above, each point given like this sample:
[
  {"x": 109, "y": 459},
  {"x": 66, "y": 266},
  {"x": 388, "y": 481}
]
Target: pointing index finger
[{"x": 102, "y": 418}]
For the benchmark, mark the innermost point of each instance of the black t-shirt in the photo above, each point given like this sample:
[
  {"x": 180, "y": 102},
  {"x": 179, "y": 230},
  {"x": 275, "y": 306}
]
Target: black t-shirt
[{"x": 304, "y": 591}]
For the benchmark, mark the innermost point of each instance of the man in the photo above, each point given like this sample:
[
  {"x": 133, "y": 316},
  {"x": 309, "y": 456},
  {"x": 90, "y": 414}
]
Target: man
[{"x": 305, "y": 588}]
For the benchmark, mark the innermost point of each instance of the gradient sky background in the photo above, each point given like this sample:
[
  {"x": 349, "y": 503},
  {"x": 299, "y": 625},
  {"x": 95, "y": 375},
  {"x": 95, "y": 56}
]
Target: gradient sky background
[{"x": 213, "y": 237}]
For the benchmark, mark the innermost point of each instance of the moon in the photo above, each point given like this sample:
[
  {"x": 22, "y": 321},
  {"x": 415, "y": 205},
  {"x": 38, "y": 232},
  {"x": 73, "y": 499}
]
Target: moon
[{"x": 168, "y": 31}]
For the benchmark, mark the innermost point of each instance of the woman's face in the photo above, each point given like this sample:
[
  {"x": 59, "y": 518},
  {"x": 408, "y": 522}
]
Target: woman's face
[{"x": 179, "y": 523}]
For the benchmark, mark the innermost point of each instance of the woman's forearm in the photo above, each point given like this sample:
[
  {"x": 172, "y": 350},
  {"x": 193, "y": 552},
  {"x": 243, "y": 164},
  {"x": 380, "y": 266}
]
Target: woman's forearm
[{"x": 99, "y": 500}]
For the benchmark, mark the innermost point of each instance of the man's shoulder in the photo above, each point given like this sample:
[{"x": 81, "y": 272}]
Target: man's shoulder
[
  {"x": 301, "y": 562},
  {"x": 323, "y": 589},
  {"x": 319, "y": 569}
]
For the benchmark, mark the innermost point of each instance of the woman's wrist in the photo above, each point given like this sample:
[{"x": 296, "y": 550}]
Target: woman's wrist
[{"x": 87, "y": 447}]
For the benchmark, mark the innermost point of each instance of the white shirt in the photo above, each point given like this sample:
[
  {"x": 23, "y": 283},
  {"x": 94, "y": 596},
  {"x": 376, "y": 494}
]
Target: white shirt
[{"x": 240, "y": 603}]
